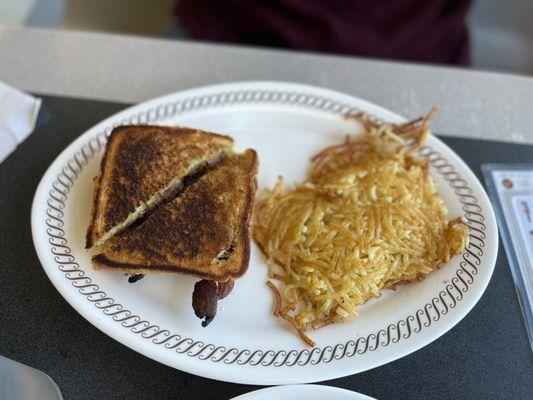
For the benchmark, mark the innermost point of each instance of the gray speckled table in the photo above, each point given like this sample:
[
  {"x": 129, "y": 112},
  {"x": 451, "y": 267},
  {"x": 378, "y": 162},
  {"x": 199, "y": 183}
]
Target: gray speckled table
[
  {"x": 486, "y": 356},
  {"x": 473, "y": 104}
]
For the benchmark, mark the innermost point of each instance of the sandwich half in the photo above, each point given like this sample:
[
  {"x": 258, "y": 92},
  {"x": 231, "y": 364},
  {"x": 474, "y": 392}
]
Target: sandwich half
[
  {"x": 204, "y": 231},
  {"x": 143, "y": 166}
]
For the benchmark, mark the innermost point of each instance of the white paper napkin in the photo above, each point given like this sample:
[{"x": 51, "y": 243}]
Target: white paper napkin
[{"x": 18, "y": 113}]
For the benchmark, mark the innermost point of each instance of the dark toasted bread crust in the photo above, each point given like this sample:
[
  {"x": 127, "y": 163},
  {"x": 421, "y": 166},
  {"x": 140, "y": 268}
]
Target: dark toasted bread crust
[
  {"x": 89, "y": 235},
  {"x": 102, "y": 262},
  {"x": 247, "y": 219},
  {"x": 242, "y": 246},
  {"x": 112, "y": 214}
]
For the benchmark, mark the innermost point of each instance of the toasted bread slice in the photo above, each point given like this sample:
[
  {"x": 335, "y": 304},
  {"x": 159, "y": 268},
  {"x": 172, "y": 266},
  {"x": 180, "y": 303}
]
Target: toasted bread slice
[
  {"x": 204, "y": 231},
  {"x": 141, "y": 166}
]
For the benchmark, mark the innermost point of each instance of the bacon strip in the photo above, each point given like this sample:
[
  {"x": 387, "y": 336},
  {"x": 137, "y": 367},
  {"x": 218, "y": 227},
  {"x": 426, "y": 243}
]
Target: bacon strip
[
  {"x": 204, "y": 300},
  {"x": 225, "y": 288}
]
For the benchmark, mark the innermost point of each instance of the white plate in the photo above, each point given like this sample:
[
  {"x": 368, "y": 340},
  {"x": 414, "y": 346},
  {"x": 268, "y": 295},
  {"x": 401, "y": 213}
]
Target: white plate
[
  {"x": 302, "y": 392},
  {"x": 286, "y": 123}
]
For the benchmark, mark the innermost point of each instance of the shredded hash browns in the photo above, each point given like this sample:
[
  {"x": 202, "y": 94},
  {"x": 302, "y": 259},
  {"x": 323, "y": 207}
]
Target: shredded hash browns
[{"x": 368, "y": 218}]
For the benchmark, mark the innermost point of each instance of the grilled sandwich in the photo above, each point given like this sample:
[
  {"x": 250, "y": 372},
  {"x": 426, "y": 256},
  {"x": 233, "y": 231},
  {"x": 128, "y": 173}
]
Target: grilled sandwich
[
  {"x": 174, "y": 200},
  {"x": 142, "y": 166},
  {"x": 204, "y": 231}
]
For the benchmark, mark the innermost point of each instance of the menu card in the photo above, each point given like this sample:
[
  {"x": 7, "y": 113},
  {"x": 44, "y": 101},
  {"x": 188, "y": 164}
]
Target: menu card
[{"x": 511, "y": 191}]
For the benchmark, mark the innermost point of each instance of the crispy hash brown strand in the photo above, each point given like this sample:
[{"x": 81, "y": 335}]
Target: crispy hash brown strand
[
  {"x": 369, "y": 218},
  {"x": 376, "y": 142}
]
